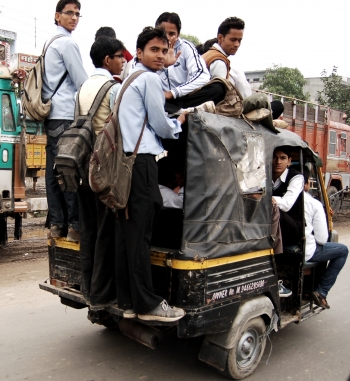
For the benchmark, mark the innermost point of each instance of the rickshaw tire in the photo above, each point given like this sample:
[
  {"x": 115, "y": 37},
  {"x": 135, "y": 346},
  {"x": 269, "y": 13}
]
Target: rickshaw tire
[{"x": 241, "y": 367}]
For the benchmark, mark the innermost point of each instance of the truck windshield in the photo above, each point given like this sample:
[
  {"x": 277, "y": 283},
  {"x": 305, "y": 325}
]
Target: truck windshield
[{"x": 8, "y": 121}]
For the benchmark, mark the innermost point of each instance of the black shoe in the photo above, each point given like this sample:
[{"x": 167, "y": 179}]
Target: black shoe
[
  {"x": 320, "y": 300},
  {"x": 56, "y": 232}
]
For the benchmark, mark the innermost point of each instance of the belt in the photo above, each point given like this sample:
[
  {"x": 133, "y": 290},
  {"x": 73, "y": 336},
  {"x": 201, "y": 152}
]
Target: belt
[{"x": 157, "y": 158}]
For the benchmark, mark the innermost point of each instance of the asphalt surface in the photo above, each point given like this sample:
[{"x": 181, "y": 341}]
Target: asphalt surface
[{"x": 40, "y": 339}]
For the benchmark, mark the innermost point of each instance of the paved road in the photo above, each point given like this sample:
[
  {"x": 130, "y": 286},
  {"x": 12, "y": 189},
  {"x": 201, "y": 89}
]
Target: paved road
[{"x": 40, "y": 339}]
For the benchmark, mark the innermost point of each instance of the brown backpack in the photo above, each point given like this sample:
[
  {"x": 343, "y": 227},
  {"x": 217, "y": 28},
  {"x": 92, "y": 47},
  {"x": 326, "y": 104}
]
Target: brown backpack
[
  {"x": 232, "y": 104},
  {"x": 110, "y": 170},
  {"x": 32, "y": 103}
]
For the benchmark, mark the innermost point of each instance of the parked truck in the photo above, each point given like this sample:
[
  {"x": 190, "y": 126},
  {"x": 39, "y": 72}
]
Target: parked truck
[
  {"x": 22, "y": 154},
  {"x": 325, "y": 131}
]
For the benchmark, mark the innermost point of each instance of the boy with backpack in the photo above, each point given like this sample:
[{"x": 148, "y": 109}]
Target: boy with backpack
[
  {"x": 143, "y": 104},
  {"x": 97, "y": 221},
  {"x": 63, "y": 76}
]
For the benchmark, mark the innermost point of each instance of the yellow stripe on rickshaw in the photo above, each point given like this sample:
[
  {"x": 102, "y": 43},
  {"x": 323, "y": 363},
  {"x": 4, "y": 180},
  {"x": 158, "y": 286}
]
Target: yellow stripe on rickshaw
[{"x": 159, "y": 259}]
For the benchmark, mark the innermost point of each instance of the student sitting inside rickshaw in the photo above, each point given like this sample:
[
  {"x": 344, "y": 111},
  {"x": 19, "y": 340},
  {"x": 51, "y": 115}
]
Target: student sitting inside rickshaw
[
  {"x": 317, "y": 249},
  {"x": 287, "y": 186}
]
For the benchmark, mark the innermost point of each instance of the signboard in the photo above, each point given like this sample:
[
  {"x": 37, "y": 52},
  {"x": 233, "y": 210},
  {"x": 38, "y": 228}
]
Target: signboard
[
  {"x": 26, "y": 61},
  {"x": 4, "y": 53}
]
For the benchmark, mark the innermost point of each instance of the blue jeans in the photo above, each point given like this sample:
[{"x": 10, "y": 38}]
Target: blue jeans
[
  {"x": 336, "y": 254},
  {"x": 63, "y": 206}
]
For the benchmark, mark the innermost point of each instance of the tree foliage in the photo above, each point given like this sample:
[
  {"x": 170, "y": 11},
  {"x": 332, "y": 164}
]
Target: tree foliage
[
  {"x": 335, "y": 94},
  {"x": 190, "y": 37},
  {"x": 284, "y": 81}
]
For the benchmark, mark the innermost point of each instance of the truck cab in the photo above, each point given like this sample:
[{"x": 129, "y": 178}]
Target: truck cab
[{"x": 12, "y": 158}]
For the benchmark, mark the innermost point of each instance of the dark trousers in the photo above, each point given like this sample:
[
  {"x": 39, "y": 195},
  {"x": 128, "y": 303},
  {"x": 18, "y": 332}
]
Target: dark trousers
[
  {"x": 212, "y": 92},
  {"x": 96, "y": 248},
  {"x": 292, "y": 230},
  {"x": 63, "y": 206},
  {"x": 336, "y": 253},
  {"x": 133, "y": 238}
]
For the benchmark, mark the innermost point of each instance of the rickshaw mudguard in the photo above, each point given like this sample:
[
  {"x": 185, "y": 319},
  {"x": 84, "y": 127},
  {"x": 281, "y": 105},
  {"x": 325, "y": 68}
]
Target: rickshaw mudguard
[
  {"x": 226, "y": 160},
  {"x": 215, "y": 347},
  {"x": 249, "y": 309}
]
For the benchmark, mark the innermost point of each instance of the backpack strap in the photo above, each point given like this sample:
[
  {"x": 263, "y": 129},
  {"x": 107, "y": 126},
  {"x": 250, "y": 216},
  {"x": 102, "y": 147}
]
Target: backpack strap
[
  {"x": 43, "y": 56},
  {"x": 96, "y": 102},
  {"x": 128, "y": 81},
  {"x": 99, "y": 97},
  {"x": 126, "y": 84}
]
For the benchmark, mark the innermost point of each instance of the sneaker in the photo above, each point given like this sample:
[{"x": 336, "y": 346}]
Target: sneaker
[
  {"x": 129, "y": 314},
  {"x": 56, "y": 232},
  {"x": 73, "y": 235},
  {"x": 279, "y": 123},
  {"x": 163, "y": 312},
  {"x": 284, "y": 292},
  {"x": 205, "y": 107},
  {"x": 258, "y": 114}
]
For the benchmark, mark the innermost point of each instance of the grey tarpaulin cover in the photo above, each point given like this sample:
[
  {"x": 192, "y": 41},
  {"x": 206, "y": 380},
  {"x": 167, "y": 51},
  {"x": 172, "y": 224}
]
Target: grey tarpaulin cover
[{"x": 227, "y": 161}]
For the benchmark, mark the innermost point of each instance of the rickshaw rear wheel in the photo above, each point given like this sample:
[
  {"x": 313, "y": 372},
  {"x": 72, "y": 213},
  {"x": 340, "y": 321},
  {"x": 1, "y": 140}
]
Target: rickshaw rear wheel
[{"x": 248, "y": 348}]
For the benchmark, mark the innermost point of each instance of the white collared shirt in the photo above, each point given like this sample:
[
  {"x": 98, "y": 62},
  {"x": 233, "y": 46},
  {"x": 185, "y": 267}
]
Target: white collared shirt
[
  {"x": 295, "y": 187},
  {"x": 172, "y": 199},
  {"x": 218, "y": 68},
  {"x": 316, "y": 225}
]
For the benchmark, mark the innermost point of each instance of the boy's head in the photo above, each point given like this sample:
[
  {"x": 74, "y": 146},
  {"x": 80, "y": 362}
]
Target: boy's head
[
  {"x": 107, "y": 53},
  {"x": 282, "y": 158},
  {"x": 105, "y": 31},
  {"x": 171, "y": 23},
  {"x": 230, "y": 35},
  {"x": 151, "y": 48},
  {"x": 67, "y": 14}
]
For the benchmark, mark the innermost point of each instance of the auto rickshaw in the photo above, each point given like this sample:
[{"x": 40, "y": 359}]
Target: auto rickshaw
[{"x": 214, "y": 257}]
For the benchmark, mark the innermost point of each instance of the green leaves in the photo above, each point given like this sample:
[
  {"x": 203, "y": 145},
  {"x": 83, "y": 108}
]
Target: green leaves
[
  {"x": 335, "y": 93},
  {"x": 284, "y": 81},
  {"x": 189, "y": 37}
]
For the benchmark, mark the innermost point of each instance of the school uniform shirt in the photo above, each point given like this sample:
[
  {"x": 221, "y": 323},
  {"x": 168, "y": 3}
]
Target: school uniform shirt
[
  {"x": 316, "y": 225},
  {"x": 63, "y": 54},
  {"x": 172, "y": 199},
  {"x": 88, "y": 92},
  {"x": 295, "y": 187},
  {"x": 145, "y": 96},
  {"x": 187, "y": 74}
]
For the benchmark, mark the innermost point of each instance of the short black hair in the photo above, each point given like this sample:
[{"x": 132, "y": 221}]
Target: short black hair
[
  {"x": 102, "y": 47},
  {"x": 171, "y": 17},
  {"x": 62, "y": 3},
  {"x": 306, "y": 171},
  {"x": 105, "y": 31},
  {"x": 230, "y": 23},
  {"x": 203, "y": 48},
  {"x": 148, "y": 34},
  {"x": 285, "y": 149}
]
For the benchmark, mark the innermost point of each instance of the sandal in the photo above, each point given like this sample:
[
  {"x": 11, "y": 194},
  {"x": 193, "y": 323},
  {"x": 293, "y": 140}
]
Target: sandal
[{"x": 320, "y": 300}]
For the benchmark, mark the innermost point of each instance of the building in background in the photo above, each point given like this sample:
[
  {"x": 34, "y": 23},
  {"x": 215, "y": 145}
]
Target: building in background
[
  {"x": 313, "y": 84},
  {"x": 7, "y": 46}
]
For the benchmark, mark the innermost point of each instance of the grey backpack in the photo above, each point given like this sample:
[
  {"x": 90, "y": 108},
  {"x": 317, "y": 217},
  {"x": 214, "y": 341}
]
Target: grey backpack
[{"x": 76, "y": 145}]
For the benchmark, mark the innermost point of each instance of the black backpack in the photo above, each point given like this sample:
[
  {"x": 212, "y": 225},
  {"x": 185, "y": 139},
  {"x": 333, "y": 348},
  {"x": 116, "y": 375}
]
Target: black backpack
[{"x": 76, "y": 145}]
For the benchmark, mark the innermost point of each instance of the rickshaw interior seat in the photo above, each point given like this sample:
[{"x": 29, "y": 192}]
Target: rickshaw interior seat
[{"x": 167, "y": 230}]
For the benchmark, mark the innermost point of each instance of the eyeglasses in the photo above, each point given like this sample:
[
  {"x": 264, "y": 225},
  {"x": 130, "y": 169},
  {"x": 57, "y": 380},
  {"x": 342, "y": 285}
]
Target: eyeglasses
[
  {"x": 117, "y": 55},
  {"x": 71, "y": 14}
]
